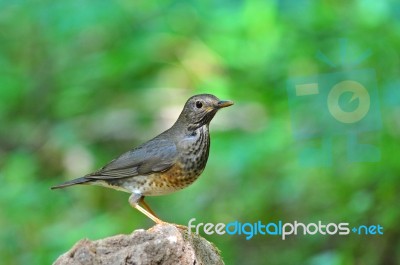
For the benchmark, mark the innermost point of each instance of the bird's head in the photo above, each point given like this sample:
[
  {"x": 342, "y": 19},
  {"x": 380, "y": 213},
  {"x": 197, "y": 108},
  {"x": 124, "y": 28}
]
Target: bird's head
[{"x": 200, "y": 109}]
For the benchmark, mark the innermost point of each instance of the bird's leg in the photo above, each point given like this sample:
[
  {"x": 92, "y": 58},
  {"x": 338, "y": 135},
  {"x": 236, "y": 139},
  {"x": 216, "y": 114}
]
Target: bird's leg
[
  {"x": 146, "y": 206},
  {"x": 134, "y": 201}
]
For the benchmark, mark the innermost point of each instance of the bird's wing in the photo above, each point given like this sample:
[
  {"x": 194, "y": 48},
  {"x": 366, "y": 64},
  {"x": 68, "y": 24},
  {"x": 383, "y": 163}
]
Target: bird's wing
[{"x": 156, "y": 155}]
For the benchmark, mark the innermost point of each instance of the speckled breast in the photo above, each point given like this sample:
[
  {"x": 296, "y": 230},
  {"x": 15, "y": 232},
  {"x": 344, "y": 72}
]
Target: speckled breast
[
  {"x": 193, "y": 155},
  {"x": 193, "y": 158}
]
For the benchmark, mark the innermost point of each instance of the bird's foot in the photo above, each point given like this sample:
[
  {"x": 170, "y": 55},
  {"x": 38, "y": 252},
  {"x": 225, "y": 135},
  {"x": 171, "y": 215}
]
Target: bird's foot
[
  {"x": 181, "y": 227},
  {"x": 136, "y": 199}
]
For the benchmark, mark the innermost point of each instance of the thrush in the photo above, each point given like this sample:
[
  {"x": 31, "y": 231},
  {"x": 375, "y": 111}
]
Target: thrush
[{"x": 167, "y": 163}]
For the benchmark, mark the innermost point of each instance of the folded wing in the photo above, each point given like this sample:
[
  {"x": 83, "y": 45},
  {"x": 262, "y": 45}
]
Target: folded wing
[{"x": 157, "y": 155}]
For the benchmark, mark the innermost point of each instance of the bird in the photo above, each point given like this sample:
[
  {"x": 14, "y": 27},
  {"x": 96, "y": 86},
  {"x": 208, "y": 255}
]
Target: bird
[{"x": 165, "y": 164}]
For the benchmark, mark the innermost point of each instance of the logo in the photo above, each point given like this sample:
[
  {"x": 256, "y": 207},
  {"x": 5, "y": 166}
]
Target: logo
[
  {"x": 281, "y": 229},
  {"x": 343, "y": 105}
]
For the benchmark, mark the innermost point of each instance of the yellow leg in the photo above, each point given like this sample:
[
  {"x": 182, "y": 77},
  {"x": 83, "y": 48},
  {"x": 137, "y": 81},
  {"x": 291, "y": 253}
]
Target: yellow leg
[
  {"x": 134, "y": 201},
  {"x": 146, "y": 206}
]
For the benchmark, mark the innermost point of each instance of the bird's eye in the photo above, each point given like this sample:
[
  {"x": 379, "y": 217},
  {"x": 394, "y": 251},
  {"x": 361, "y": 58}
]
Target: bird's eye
[{"x": 199, "y": 104}]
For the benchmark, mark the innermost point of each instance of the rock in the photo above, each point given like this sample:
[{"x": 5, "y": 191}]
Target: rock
[{"x": 161, "y": 244}]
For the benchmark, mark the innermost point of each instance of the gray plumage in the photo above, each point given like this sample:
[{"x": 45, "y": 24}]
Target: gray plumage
[{"x": 185, "y": 144}]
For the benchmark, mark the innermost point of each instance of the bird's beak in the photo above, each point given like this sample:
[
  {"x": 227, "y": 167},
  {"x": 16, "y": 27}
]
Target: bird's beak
[{"x": 224, "y": 103}]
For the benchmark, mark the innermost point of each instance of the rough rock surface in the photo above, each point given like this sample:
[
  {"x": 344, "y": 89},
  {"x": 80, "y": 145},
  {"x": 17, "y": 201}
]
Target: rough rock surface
[{"x": 161, "y": 244}]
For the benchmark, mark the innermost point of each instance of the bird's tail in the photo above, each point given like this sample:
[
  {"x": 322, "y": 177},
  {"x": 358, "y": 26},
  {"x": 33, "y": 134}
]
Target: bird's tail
[{"x": 77, "y": 181}]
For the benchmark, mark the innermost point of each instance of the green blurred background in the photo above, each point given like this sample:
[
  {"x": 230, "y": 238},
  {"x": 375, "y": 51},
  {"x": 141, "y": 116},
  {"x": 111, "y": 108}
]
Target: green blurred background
[{"x": 83, "y": 81}]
